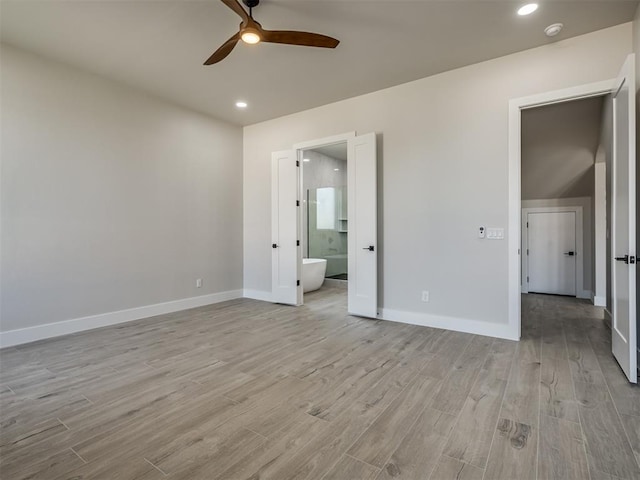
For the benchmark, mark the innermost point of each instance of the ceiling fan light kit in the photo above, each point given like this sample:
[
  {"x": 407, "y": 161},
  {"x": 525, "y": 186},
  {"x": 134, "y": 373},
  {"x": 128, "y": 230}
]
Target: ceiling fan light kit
[
  {"x": 251, "y": 32},
  {"x": 250, "y": 35}
]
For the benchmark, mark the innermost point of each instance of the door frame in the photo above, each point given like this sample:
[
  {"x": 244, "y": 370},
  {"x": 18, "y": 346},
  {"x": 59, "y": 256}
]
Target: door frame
[
  {"x": 514, "y": 239},
  {"x": 578, "y": 211}
]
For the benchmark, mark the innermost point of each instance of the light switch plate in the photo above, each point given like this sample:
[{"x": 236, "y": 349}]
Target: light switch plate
[{"x": 495, "y": 233}]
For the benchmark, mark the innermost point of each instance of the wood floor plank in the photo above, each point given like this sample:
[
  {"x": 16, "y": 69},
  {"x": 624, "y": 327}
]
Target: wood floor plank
[
  {"x": 319, "y": 455},
  {"x": 349, "y": 467},
  {"x": 452, "y": 469},
  {"x": 445, "y": 351},
  {"x": 418, "y": 453},
  {"x": 562, "y": 450},
  {"x": 294, "y": 434},
  {"x": 137, "y": 469},
  {"x": 513, "y": 453},
  {"x": 60, "y": 463},
  {"x": 471, "y": 437},
  {"x": 631, "y": 425},
  {"x": 608, "y": 449},
  {"x": 557, "y": 398},
  {"x": 522, "y": 396},
  {"x": 584, "y": 363},
  {"x": 381, "y": 439},
  {"x": 458, "y": 382}
]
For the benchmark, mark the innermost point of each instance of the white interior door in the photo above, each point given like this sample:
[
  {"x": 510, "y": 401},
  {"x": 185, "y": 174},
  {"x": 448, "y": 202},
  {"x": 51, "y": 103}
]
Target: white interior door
[
  {"x": 623, "y": 228},
  {"x": 551, "y": 243},
  {"x": 363, "y": 226},
  {"x": 285, "y": 247}
]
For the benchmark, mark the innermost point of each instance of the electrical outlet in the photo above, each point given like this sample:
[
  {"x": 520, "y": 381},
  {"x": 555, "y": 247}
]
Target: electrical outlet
[
  {"x": 199, "y": 283},
  {"x": 425, "y": 295}
]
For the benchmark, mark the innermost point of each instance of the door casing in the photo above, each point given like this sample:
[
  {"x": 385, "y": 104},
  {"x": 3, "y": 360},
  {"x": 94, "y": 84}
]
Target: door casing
[
  {"x": 348, "y": 138},
  {"x": 514, "y": 229}
]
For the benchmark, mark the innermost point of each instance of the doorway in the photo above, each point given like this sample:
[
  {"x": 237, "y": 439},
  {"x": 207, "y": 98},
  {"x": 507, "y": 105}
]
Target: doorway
[
  {"x": 622, "y": 304},
  {"x": 325, "y": 219},
  {"x": 356, "y": 222}
]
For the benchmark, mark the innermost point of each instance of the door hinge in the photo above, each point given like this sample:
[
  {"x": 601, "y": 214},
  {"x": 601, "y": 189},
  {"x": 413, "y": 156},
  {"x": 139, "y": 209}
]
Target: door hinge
[
  {"x": 297, "y": 283},
  {"x": 297, "y": 243},
  {"x": 527, "y": 224},
  {"x": 297, "y": 163},
  {"x": 297, "y": 203},
  {"x": 527, "y": 279},
  {"x": 527, "y": 251}
]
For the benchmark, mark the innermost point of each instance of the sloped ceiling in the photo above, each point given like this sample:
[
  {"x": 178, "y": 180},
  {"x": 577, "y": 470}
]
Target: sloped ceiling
[{"x": 559, "y": 145}]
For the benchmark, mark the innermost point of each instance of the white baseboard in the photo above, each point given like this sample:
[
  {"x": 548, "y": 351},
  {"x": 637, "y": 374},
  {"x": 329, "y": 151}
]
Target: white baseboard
[
  {"x": 584, "y": 294},
  {"x": 257, "y": 295},
  {"x": 488, "y": 329},
  {"x": 599, "y": 301},
  {"x": 65, "y": 327}
]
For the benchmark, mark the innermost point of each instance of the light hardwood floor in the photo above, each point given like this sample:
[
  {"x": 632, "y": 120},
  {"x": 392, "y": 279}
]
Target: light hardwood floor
[{"x": 250, "y": 390}]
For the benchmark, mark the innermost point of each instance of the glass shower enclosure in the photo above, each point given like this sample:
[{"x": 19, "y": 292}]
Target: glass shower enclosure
[{"x": 327, "y": 227}]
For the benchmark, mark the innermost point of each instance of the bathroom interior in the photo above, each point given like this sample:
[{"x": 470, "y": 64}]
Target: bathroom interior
[{"x": 325, "y": 221}]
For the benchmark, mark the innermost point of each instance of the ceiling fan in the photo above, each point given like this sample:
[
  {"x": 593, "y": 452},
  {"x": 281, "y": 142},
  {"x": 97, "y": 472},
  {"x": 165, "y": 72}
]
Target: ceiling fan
[{"x": 252, "y": 32}]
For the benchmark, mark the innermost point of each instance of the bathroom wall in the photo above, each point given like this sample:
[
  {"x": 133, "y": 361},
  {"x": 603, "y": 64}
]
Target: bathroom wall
[{"x": 320, "y": 171}]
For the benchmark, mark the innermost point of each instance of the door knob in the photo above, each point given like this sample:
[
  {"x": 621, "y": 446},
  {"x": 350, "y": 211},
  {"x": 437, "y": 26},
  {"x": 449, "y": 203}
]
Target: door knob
[
  {"x": 274, "y": 245},
  {"x": 370, "y": 248},
  {"x": 571, "y": 254},
  {"x": 624, "y": 259}
]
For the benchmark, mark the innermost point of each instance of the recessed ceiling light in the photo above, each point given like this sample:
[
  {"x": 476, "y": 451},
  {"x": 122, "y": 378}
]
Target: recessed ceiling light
[
  {"x": 306, "y": 159},
  {"x": 553, "y": 30},
  {"x": 336, "y": 169},
  {"x": 528, "y": 9},
  {"x": 241, "y": 104}
]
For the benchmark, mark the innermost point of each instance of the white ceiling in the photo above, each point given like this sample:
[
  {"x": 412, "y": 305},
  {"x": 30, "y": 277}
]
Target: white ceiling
[{"x": 160, "y": 45}]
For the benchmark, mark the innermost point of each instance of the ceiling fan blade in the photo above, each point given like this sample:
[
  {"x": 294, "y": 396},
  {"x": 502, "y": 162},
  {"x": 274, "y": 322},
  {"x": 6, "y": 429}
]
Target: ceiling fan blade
[
  {"x": 236, "y": 7},
  {"x": 299, "y": 38},
  {"x": 224, "y": 50}
]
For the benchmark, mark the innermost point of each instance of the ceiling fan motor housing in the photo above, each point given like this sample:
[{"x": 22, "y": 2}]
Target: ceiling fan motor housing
[{"x": 251, "y": 3}]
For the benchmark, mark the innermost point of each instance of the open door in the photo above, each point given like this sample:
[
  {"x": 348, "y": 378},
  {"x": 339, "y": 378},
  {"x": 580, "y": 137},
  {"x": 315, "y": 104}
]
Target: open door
[
  {"x": 285, "y": 247},
  {"x": 363, "y": 226},
  {"x": 623, "y": 234}
]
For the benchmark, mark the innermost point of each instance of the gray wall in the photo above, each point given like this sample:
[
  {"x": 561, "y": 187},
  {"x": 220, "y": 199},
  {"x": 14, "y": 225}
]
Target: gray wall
[
  {"x": 559, "y": 144},
  {"x": 443, "y": 171},
  {"x": 111, "y": 198}
]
